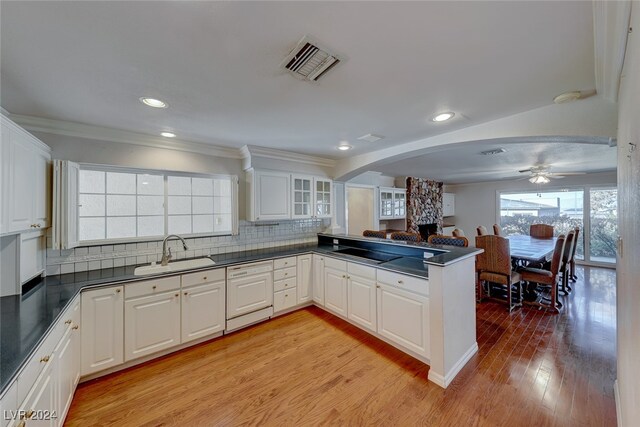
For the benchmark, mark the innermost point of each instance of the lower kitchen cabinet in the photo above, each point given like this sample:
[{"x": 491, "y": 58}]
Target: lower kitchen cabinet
[
  {"x": 305, "y": 278},
  {"x": 361, "y": 299},
  {"x": 286, "y": 299},
  {"x": 335, "y": 286},
  {"x": 151, "y": 324},
  {"x": 403, "y": 318},
  {"x": 67, "y": 355},
  {"x": 203, "y": 310},
  {"x": 318, "y": 279},
  {"x": 40, "y": 405},
  {"x": 102, "y": 329}
]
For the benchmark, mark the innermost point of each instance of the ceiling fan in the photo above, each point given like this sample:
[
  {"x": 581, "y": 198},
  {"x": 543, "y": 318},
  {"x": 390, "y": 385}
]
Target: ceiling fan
[{"x": 542, "y": 174}]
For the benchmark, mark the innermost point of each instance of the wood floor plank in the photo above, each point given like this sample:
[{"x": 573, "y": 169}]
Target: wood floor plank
[{"x": 311, "y": 368}]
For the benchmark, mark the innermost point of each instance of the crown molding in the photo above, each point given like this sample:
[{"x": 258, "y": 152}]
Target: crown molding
[
  {"x": 249, "y": 151},
  {"x": 79, "y": 130}
]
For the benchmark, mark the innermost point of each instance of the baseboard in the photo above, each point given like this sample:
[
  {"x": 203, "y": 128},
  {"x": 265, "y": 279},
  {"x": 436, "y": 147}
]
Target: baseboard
[
  {"x": 444, "y": 381},
  {"x": 616, "y": 395}
]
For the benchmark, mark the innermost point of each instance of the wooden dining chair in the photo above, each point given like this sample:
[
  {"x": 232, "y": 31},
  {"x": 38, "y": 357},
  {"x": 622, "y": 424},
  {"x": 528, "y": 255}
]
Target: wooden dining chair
[
  {"x": 493, "y": 267},
  {"x": 375, "y": 233},
  {"x": 497, "y": 230},
  {"x": 404, "y": 236},
  {"x": 572, "y": 261},
  {"x": 482, "y": 230},
  {"x": 543, "y": 231},
  {"x": 458, "y": 232},
  {"x": 548, "y": 278},
  {"x": 565, "y": 264},
  {"x": 438, "y": 239}
]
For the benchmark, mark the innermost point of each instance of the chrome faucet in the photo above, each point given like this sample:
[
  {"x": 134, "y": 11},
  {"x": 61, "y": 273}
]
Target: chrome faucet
[{"x": 167, "y": 257}]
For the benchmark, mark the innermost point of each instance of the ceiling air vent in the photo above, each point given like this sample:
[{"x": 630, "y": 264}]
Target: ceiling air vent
[{"x": 309, "y": 61}]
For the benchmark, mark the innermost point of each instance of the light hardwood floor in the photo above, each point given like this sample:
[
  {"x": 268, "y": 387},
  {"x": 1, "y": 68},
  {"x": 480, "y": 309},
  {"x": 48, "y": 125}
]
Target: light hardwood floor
[{"x": 310, "y": 368}]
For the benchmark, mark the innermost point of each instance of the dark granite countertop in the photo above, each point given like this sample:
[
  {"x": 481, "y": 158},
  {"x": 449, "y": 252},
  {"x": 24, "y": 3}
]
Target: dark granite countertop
[{"x": 26, "y": 319}]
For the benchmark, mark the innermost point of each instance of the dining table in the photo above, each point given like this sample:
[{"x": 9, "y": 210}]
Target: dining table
[{"x": 531, "y": 249}]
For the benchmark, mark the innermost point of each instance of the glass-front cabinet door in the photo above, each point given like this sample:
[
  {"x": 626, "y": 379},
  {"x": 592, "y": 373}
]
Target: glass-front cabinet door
[
  {"x": 322, "y": 198},
  {"x": 386, "y": 203},
  {"x": 399, "y": 204},
  {"x": 301, "y": 196}
]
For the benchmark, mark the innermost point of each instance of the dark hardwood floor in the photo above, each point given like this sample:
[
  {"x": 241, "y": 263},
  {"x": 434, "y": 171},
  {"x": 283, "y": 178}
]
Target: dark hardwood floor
[{"x": 307, "y": 368}]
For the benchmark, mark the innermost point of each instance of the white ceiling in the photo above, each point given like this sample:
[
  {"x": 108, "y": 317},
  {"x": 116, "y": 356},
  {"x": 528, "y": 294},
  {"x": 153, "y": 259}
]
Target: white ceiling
[{"x": 217, "y": 65}]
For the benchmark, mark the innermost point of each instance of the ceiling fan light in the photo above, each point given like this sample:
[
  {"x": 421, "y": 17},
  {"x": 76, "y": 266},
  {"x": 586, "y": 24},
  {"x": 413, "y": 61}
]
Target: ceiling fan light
[{"x": 539, "y": 179}]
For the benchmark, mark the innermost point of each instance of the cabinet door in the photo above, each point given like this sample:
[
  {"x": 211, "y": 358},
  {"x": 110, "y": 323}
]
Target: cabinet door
[
  {"x": 41, "y": 191},
  {"x": 102, "y": 329},
  {"x": 362, "y": 302},
  {"x": 65, "y": 376},
  {"x": 335, "y": 287},
  {"x": 318, "y": 279},
  {"x": 403, "y": 318},
  {"x": 5, "y": 165},
  {"x": 21, "y": 184},
  {"x": 305, "y": 278},
  {"x": 322, "y": 198},
  {"x": 399, "y": 204},
  {"x": 301, "y": 195},
  {"x": 386, "y": 204},
  {"x": 203, "y": 310},
  {"x": 9, "y": 402},
  {"x": 41, "y": 401},
  {"x": 151, "y": 324},
  {"x": 32, "y": 255},
  {"x": 272, "y": 195},
  {"x": 248, "y": 294}
]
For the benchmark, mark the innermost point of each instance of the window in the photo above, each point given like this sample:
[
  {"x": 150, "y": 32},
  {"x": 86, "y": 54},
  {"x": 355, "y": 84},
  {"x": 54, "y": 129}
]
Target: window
[{"x": 117, "y": 204}]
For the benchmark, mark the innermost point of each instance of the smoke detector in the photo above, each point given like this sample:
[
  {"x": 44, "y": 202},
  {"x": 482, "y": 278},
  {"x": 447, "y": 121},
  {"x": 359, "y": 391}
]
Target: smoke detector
[{"x": 309, "y": 61}]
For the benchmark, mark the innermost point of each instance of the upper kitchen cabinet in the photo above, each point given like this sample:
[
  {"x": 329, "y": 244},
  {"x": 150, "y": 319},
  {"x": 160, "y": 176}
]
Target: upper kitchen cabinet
[
  {"x": 310, "y": 197},
  {"x": 269, "y": 195},
  {"x": 393, "y": 203},
  {"x": 448, "y": 204},
  {"x": 25, "y": 174}
]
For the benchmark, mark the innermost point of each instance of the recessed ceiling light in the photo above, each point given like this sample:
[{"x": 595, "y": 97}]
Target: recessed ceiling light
[
  {"x": 344, "y": 147},
  {"x": 442, "y": 117},
  {"x": 152, "y": 102},
  {"x": 168, "y": 134}
]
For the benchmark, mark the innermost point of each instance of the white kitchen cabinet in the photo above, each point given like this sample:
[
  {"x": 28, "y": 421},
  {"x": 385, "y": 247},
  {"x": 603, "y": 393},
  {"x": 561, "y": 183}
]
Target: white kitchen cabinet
[
  {"x": 335, "y": 286},
  {"x": 284, "y": 300},
  {"x": 102, "y": 333},
  {"x": 203, "y": 310},
  {"x": 304, "y": 278},
  {"x": 361, "y": 298},
  {"x": 249, "y": 288},
  {"x": 310, "y": 197},
  {"x": 318, "y": 279},
  {"x": 67, "y": 363},
  {"x": 448, "y": 204},
  {"x": 8, "y": 402},
  {"x": 151, "y": 324},
  {"x": 25, "y": 180},
  {"x": 393, "y": 203},
  {"x": 32, "y": 255},
  {"x": 269, "y": 195},
  {"x": 41, "y": 401},
  {"x": 403, "y": 318}
]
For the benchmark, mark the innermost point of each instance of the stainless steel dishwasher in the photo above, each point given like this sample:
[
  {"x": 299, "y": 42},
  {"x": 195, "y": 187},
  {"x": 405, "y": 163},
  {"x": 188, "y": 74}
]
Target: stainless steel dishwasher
[{"x": 249, "y": 294}]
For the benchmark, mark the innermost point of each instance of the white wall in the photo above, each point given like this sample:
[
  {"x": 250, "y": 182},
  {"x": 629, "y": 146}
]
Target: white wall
[
  {"x": 477, "y": 204},
  {"x": 373, "y": 178}
]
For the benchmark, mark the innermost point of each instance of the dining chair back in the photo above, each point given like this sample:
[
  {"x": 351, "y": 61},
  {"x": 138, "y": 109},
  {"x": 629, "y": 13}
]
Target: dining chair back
[
  {"x": 458, "y": 232},
  {"x": 565, "y": 263},
  {"x": 548, "y": 277},
  {"x": 404, "y": 236},
  {"x": 482, "y": 230},
  {"x": 572, "y": 260},
  {"x": 543, "y": 231},
  {"x": 438, "y": 239},
  {"x": 497, "y": 230},
  {"x": 380, "y": 234},
  {"x": 494, "y": 268}
]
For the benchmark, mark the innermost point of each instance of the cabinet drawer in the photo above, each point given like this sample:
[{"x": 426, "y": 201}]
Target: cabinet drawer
[
  {"x": 335, "y": 263},
  {"x": 409, "y": 283},
  {"x": 280, "y": 285},
  {"x": 9, "y": 402},
  {"x": 284, "y": 262},
  {"x": 284, "y": 299},
  {"x": 202, "y": 277},
  {"x": 39, "y": 360},
  {"x": 149, "y": 287},
  {"x": 361, "y": 271},
  {"x": 284, "y": 273}
]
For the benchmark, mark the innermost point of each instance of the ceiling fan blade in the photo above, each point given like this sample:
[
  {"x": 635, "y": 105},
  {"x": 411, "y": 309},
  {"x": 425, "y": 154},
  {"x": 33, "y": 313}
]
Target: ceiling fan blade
[
  {"x": 525, "y": 170},
  {"x": 555, "y": 176},
  {"x": 568, "y": 173}
]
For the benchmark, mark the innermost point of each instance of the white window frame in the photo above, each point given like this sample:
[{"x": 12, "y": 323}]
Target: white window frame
[{"x": 165, "y": 173}]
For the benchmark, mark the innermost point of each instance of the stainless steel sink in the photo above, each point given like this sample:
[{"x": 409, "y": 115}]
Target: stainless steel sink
[{"x": 173, "y": 266}]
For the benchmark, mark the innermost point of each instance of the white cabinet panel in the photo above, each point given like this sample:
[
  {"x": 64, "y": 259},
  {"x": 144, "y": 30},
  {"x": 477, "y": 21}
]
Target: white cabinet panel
[
  {"x": 32, "y": 255},
  {"x": 335, "y": 287},
  {"x": 42, "y": 398},
  {"x": 248, "y": 294},
  {"x": 393, "y": 203},
  {"x": 318, "y": 279},
  {"x": 102, "y": 329},
  {"x": 22, "y": 189},
  {"x": 271, "y": 196},
  {"x": 403, "y": 318},
  {"x": 203, "y": 310},
  {"x": 42, "y": 192},
  {"x": 305, "y": 278},
  {"x": 152, "y": 323},
  {"x": 362, "y": 302},
  {"x": 322, "y": 198},
  {"x": 9, "y": 402},
  {"x": 65, "y": 375},
  {"x": 284, "y": 300}
]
